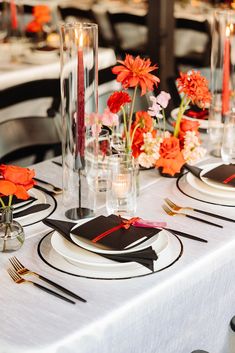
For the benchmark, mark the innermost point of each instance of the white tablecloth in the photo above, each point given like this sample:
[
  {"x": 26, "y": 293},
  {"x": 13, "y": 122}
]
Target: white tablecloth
[{"x": 185, "y": 307}]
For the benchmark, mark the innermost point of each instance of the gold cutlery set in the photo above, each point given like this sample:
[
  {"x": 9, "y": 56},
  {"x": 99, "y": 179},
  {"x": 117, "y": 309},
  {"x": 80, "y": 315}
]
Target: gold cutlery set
[{"x": 18, "y": 271}]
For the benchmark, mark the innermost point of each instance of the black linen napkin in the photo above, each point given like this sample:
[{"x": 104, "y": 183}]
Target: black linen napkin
[
  {"x": 15, "y": 200},
  {"x": 144, "y": 257},
  {"x": 224, "y": 174}
]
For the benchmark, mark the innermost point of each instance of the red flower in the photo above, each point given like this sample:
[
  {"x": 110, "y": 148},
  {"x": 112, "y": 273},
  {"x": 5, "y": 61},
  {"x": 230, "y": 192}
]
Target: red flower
[
  {"x": 144, "y": 120},
  {"x": 138, "y": 141},
  {"x": 34, "y": 27},
  {"x": 195, "y": 87},
  {"x": 117, "y": 100},
  {"x": 135, "y": 72},
  {"x": 171, "y": 158}
]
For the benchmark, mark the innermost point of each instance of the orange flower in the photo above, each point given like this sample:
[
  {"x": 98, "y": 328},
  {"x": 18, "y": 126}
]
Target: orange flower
[
  {"x": 22, "y": 178},
  {"x": 34, "y": 27},
  {"x": 144, "y": 120},
  {"x": 117, "y": 100},
  {"x": 135, "y": 72},
  {"x": 7, "y": 188},
  {"x": 187, "y": 125},
  {"x": 195, "y": 87},
  {"x": 171, "y": 158},
  {"x": 42, "y": 13}
]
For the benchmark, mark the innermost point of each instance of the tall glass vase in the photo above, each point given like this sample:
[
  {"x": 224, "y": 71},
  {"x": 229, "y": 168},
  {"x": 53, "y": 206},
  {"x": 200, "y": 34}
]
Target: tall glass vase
[
  {"x": 222, "y": 75},
  {"x": 79, "y": 95}
]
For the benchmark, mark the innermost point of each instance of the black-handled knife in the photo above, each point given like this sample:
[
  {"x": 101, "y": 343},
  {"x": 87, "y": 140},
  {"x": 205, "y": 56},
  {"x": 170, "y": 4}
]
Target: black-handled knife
[
  {"x": 186, "y": 235},
  {"x": 202, "y": 220},
  {"x": 33, "y": 209},
  {"x": 214, "y": 215}
]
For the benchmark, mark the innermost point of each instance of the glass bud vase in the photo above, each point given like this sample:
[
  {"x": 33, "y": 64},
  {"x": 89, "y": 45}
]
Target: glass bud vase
[{"x": 11, "y": 232}]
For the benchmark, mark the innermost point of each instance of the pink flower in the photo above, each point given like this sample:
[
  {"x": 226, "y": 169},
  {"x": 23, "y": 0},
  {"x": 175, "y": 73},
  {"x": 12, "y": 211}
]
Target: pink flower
[
  {"x": 163, "y": 99},
  {"x": 108, "y": 118},
  {"x": 155, "y": 109}
]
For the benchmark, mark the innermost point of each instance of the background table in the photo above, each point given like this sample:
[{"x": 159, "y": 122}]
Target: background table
[{"x": 184, "y": 307}]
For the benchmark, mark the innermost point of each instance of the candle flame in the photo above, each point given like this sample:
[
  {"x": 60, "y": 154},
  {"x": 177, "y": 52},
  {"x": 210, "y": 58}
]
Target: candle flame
[
  {"x": 79, "y": 38},
  {"x": 228, "y": 29}
]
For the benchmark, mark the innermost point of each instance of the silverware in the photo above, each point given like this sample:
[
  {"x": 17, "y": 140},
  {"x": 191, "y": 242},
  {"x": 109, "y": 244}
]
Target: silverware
[
  {"x": 172, "y": 213},
  {"x": 18, "y": 279},
  {"x": 55, "y": 189},
  {"x": 22, "y": 270},
  {"x": 32, "y": 209},
  {"x": 178, "y": 208},
  {"x": 47, "y": 191},
  {"x": 16, "y": 208},
  {"x": 57, "y": 163},
  {"x": 186, "y": 235}
]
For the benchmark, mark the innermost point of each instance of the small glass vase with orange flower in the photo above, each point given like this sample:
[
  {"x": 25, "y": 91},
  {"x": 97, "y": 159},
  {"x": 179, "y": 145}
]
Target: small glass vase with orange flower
[{"x": 14, "y": 184}]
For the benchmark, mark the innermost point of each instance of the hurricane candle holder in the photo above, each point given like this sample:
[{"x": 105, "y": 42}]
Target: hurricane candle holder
[
  {"x": 222, "y": 75},
  {"x": 79, "y": 98}
]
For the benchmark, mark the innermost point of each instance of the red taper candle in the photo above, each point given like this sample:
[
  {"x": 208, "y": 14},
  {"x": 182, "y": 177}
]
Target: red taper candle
[{"x": 226, "y": 73}]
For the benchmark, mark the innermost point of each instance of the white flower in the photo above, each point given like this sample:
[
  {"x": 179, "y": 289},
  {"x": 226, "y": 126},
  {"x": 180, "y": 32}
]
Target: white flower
[
  {"x": 146, "y": 160},
  {"x": 192, "y": 151}
]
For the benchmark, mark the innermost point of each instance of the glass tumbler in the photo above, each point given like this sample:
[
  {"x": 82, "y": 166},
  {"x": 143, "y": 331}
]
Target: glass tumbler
[
  {"x": 98, "y": 151},
  {"x": 228, "y": 142},
  {"x": 121, "y": 185}
]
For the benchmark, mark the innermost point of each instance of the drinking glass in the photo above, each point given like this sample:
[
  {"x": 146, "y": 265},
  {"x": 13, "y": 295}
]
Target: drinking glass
[
  {"x": 98, "y": 151},
  {"x": 121, "y": 185},
  {"x": 228, "y": 142}
]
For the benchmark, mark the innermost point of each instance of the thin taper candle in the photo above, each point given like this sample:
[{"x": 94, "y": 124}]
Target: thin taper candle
[{"x": 226, "y": 73}]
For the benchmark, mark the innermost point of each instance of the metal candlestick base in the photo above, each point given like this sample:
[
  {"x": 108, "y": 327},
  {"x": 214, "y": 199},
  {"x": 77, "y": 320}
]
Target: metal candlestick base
[{"x": 79, "y": 213}]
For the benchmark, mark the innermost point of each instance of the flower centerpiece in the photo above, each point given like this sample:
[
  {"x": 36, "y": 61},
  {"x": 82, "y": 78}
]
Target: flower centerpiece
[
  {"x": 14, "y": 182},
  {"x": 145, "y": 134},
  {"x": 41, "y": 17}
]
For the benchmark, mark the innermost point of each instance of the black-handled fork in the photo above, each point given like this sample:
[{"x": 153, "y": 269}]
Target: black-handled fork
[
  {"x": 18, "y": 279},
  {"x": 22, "y": 270}
]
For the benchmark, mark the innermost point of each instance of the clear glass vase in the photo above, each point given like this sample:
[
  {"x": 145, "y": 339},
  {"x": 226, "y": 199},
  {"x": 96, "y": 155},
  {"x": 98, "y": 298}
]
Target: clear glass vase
[
  {"x": 11, "y": 232},
  {"x": 79, "y": 98}
]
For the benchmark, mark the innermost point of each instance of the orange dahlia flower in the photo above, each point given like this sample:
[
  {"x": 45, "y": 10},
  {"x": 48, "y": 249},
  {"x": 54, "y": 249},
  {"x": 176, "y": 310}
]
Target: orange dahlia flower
[
  {"x": 135, "y": 72},
  {"x": 195, "y": 87}
]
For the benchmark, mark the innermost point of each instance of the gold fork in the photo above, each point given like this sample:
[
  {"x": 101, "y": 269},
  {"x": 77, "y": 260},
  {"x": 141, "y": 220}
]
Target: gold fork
[
  {"x": 176, "y": 207},
  {"x": 22, "y": 270},
  {"x": 18, "y": 279},
  {"x": 172, "y": 213}
]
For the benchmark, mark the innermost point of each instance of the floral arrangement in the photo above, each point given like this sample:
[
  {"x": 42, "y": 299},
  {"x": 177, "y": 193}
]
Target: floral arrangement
[
  {"x": 42, "y": 15},
  {"x": 15, "y": 181},
  {"x": 154, "y": 146}
]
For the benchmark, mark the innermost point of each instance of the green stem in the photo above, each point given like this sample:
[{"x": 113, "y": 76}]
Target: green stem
[
  {"x": 133, "y": 133},
  {"x": 132, "y": 108},
  {"x": 182, "y": 108},
  {"x": 10, "y": 200},
  {"x": 125, "y": 128},
  {"x": 2, "y": 203},
  {"x": 164, "y": 120}
]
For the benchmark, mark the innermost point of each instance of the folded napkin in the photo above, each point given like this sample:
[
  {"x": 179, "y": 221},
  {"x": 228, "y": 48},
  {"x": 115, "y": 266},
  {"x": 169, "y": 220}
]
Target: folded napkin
[
  {"x": 224, "y": 174},
  {"x": 144, "y": 257},
  {"x": 118, "y": 239},
  {"x": 15, "y": 200}
]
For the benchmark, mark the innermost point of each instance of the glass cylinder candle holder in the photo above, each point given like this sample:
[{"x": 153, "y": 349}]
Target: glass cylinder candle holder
[
  {"x": 79, "y": 98},
  {"x": 222, "y": 75},
  {"x": 121, "y": 185}
]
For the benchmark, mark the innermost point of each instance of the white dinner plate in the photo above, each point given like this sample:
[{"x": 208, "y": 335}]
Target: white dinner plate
[
  {"x": 37, "y": 57},
  {"x": 32, "y": 218},
  {"x": 202, "y": 187},
  {"x": 213, "y": 183},
  {"x": 85, "y": 258},
  {"x": 101, "y": 249},
  {"x": 203, "y": 123},
  {"x": 166, "y": 258}
]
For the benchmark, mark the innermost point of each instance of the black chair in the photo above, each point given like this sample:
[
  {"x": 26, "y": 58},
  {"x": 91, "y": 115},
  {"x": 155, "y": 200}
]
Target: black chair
[
  {"x": 194, "y": 58},
  {"x": 126, "y": 25},
  {"x": 26, "y": 136},
  {"x": 81, "y": 15}
]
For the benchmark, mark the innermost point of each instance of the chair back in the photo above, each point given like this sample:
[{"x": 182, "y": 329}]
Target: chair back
[
  {"x": 27, "y": 136},
  {"x": 192, "y": 28},
  {"x": 129, "y": 33}
]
